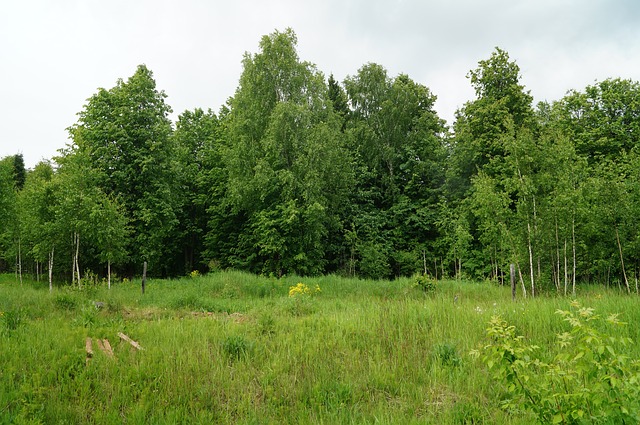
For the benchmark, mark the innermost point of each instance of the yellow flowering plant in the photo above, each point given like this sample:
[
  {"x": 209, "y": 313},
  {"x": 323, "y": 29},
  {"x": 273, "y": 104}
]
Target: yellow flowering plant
[{"x": 302, "y": 289}]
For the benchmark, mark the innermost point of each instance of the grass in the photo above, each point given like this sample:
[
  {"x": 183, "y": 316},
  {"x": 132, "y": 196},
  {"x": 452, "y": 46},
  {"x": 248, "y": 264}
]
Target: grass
[{"x": 235, "y": 348}]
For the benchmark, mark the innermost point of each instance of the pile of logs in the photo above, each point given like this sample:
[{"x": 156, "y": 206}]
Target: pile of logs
[{"x": 105, "y": 346}]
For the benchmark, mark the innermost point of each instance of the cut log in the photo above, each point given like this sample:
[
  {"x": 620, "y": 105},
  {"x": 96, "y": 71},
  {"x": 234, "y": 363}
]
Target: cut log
[
  {"x": 88, "y": 346},
  {"x": 89, "y": 349},
  {"x": 107, "y": 347},
  {"x": 130, "y": 341}
]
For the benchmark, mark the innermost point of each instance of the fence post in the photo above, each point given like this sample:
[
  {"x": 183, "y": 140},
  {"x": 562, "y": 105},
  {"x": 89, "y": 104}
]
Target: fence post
[{"x": 144, "y": 276}]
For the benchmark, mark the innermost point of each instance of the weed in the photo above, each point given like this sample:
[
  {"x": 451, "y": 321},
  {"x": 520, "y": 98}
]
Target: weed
[
  {"x": 302, "y": 289},
  {"x": 12, "y": 319},
  {"x": 446, "y": 354},
  {"x": 237, "y": 347},
  {"x": 267, "y": 324},
  {"x": 467, "y": 413},
  {"x": 86, "y": 317},
  {"x": 300, "y": 306},
  {"x": 66, "y": 301}
]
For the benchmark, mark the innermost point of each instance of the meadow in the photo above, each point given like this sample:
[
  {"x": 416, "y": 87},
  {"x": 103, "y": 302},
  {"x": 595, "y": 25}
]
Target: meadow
[{"x": 232, "y": 347}]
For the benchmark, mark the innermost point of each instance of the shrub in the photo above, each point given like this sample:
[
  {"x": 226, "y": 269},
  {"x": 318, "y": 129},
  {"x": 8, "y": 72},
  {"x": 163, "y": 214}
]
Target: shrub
[
  {"x": 590, "y": 380},
  {"x": 426, "y": 283}
]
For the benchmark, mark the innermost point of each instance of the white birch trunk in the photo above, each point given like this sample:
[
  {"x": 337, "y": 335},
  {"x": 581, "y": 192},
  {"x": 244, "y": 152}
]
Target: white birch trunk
[
  {"x": 524, "y": 288},
  {"x": 573, "y": 236},
  {"x": 533, "y": 285},
  {"x": 624, "y": 272},
  {"x": 566, "y": 271},
  {"x": 20, "y": 260},
  {"x": 51, "y": 270},
  {"x": 77, "y": 255}
]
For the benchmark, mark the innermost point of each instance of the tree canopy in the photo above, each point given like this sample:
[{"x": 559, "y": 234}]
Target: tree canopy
[{"x": 302, "y": 174}]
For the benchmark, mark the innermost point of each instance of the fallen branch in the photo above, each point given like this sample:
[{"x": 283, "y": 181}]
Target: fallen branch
[{"x": 130, "y": 341}]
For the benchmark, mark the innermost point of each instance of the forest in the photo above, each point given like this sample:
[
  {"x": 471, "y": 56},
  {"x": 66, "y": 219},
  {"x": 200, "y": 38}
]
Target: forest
[{"x": 300, "y": 174}]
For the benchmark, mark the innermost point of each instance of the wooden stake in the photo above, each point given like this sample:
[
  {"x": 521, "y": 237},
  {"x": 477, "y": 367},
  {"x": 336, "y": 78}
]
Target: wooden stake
[{"x": 144, "y": 276}]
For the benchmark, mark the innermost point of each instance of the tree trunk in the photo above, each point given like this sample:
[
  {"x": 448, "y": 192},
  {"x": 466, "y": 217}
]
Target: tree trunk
[
  {"x": 533, "y": 285},
  {"x": 558, "y": 259},
  {"x": 73, "y": 259},
  {"x": 20, "y": 260},
  {"x": 109, "y": 274},
  {"x": 76, "y": 258},
  {"x": 424, "y": 261},
  {"x": 624, "y": 272},
  {"x": 512, "y": 277},
  {"x": 524, "y": 288},
  {"x": 566, "y": 271},
  {"x": 51, "y": 270},
  {"x": 573, "y": 236},
  {"x": 435, "y": 266}
]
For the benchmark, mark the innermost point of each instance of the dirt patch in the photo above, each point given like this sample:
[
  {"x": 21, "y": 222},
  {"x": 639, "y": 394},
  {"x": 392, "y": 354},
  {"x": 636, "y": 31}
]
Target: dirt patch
[{"x": 233, "y": 317}]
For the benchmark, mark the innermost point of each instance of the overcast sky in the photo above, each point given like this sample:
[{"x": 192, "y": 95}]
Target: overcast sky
[{"x": 55, "y": 54}]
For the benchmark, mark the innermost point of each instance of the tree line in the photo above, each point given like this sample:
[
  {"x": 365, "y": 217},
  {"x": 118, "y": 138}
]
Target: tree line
[{"x": 300, "y": 174}]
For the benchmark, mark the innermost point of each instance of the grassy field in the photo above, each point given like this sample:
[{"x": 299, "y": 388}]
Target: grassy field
[{"x": 235, "y": 348}]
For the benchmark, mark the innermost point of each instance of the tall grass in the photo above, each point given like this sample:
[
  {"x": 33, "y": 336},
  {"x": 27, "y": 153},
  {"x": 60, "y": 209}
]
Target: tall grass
[{"x": 235, "y": 348}]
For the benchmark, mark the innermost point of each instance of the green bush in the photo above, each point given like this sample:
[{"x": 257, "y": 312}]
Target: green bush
[
  {"x": 426, "y": 283},
  {"x": 589, "y": 380}
]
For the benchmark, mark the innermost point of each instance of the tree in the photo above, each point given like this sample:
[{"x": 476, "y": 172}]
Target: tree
[
  {"x": 196, "y": 141},
  {"x": 7, "y": 211},
  {"x": 398, "y": 142},
  {"x": 38, "y": 202},
  {"x": 19, "y": 171},
  {"x": 494, "y": 152},
  {"x": 338, "y": 99},
  {"x": 94, "y": 221},
  {"x": 501, "y": 104},
  {"x": 124, "y": 133},
  {"x": 288, "y": 171},
  {"x": 603, "y": 119}
]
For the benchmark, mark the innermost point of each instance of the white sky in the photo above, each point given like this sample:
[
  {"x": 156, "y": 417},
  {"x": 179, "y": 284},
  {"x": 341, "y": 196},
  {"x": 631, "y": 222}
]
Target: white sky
[{"x": 55, "y": 54}]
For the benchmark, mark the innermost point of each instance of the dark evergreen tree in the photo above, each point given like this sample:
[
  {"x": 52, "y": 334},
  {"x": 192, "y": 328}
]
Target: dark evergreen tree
[{"x": 19, "y": 171}]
